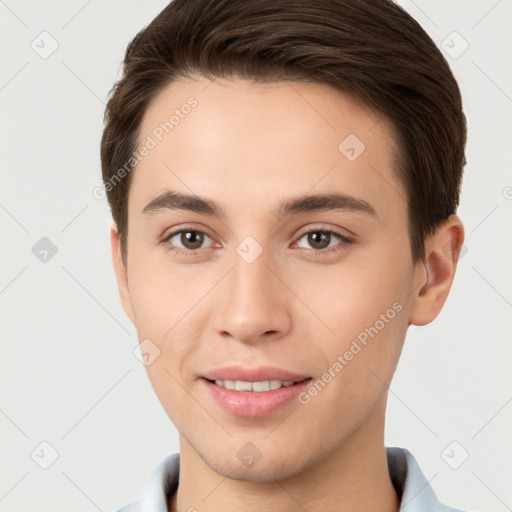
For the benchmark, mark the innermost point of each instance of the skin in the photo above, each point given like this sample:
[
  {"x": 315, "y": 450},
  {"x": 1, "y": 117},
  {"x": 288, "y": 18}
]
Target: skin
[{"x": 248, "y": 148}]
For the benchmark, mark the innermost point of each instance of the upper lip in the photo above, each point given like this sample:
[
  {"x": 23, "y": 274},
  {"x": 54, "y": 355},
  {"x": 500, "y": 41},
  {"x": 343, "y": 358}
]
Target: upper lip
[{"x": 262, "y": 373}]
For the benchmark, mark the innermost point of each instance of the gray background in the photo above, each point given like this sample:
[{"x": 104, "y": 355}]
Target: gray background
[{"x": 68, "y": 374}]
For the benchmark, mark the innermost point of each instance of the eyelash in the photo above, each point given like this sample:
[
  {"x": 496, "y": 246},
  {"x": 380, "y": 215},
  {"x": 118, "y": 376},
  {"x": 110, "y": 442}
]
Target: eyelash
[{"x": 344, "y": 240}]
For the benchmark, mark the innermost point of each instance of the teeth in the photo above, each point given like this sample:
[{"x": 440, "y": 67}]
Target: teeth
[
  {"x": 275, "y": 384},
  {"x": 261, "y": 386},
  {"x": 228, "y": 384},
  {"x": 242, "y": 385}
]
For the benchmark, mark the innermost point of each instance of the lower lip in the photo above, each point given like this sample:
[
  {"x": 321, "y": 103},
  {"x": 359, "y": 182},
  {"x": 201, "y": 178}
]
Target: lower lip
[{"x": 255, "y": 404}]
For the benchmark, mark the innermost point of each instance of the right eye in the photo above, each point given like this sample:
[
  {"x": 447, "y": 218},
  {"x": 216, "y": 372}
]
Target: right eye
[{"x": 186, "y": 240}]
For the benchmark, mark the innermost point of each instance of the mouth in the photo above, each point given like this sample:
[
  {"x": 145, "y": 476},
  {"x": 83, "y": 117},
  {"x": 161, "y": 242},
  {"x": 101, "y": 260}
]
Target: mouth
[{"x": 255, "y": 398}]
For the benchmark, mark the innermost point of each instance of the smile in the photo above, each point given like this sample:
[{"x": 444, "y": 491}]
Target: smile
[
  {"x": 254, "y": 399},
  {"x": 258, "y": 387}
]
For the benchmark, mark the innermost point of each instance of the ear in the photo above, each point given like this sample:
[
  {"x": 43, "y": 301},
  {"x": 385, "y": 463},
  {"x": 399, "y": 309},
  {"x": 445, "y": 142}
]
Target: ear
[
  {"x": 434, "y": 276},
  {"x": 121, "y": 272}
]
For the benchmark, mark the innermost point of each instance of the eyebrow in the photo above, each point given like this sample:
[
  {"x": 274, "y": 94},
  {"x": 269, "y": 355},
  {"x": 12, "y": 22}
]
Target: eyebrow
[{"x": 171, "y": 200}]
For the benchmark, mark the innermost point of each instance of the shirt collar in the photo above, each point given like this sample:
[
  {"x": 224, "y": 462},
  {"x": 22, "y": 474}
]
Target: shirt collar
[
  {"x": 410, "y": 482},
  {"x": 406, "y": 475}
]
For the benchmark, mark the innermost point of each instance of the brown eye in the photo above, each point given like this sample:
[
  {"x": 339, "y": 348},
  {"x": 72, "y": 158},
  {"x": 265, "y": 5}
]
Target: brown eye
[
  {"x": 187, "y": 239},
  {"x": 319, "y": 239},
  {"x": 192, "y": 239}
]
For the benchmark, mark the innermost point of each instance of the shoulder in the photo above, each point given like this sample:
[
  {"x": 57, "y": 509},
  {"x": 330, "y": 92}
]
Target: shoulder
[
  {"x": 417, "y": 495},
  {"x": 158, "y": 486},
  {"x": 134, "y": 506}
]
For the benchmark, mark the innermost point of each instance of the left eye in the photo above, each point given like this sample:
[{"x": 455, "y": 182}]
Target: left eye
[
  {"x": 319, "y": 239},
  {"x": 188, "y": 239}
]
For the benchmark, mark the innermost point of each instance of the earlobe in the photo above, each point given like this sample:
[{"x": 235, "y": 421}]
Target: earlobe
[
  {"x": 121, "y": 272},
  {"x": 434, "y": 276}
]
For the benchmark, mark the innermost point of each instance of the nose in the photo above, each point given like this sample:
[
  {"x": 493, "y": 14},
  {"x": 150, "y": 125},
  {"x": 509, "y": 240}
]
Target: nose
[{"x": 253, "y": 304}]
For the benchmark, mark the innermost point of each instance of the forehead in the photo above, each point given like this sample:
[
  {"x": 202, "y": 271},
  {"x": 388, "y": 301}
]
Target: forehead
[{"x": 240, "y": 141}]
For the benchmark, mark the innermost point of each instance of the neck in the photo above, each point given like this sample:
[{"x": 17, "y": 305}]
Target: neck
[{"x": 355, "y": 476}]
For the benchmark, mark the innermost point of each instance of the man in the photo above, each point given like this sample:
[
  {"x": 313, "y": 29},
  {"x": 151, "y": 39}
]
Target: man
[{"x": 283, "y": 178}]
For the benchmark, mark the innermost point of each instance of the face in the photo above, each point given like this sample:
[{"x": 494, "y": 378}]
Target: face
[{"x": 267, "y": 243}]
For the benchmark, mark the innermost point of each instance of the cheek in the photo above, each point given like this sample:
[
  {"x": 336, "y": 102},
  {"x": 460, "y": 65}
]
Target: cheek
[
  {"x": 171, "y": 306},
  {"x": 348, "y": 298},
  {"x": 362, "y": 322},
  {"x": 161, "y": 293},
  {"x": 166, "y": 312},
  {"x": 367, "y": 313}
]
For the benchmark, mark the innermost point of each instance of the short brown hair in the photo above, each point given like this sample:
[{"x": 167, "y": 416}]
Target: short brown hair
[{"x": 371, "y": 49}]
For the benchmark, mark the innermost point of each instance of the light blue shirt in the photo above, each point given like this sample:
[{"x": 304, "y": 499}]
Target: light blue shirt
[{"x": 408, "y": 479}]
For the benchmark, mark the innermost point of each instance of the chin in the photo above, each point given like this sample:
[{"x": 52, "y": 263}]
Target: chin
[
  {"x": 269, "y": 468},
  {"x": 261, "y": 472}
]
